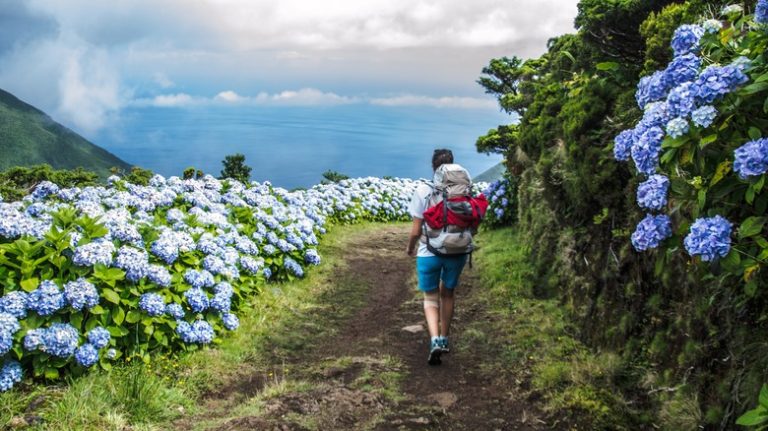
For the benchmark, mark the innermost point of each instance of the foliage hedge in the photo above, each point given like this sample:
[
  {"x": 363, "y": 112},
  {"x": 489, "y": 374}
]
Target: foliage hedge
[{"x": 690, "y": 333}]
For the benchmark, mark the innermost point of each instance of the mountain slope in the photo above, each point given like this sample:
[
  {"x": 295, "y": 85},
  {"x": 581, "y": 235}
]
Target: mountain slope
[
  {"x": 492, "y": 174},
  {"x": 30, "y": 137}
]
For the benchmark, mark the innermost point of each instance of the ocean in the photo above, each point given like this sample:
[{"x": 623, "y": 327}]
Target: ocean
[{"x": 293, "y": 146}]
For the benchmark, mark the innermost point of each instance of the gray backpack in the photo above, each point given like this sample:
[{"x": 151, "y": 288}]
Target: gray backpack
[{"x": 450, "y": 181}]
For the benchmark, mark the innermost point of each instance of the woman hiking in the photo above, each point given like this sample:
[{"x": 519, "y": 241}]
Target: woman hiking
[{"x": 438, "y": 275}]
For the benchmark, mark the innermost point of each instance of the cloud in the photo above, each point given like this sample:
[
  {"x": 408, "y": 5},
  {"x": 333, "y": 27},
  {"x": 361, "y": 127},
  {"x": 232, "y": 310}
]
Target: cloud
[
  {"x": 89, "y": 91},
  {"x": 311, "y": 97},
  {"x": 436, "y": 102},
  {"x": 82, "y": 60}
]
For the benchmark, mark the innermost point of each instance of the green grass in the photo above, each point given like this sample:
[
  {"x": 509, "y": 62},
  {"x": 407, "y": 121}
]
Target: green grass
[
  {"x": 539, "y": 343},
  {"x": 274, "y": 325}
]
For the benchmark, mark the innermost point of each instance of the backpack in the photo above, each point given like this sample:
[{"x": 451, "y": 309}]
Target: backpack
[{"x": 452, "y": 214}]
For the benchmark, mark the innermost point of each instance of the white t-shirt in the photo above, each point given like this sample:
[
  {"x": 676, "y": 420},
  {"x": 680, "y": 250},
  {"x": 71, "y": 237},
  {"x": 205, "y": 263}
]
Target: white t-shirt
[{"x": 419, "y": 204}]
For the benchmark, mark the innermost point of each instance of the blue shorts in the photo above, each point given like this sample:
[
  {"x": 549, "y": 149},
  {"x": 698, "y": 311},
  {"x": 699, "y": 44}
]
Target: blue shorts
[{"x": 432, "y": 269}]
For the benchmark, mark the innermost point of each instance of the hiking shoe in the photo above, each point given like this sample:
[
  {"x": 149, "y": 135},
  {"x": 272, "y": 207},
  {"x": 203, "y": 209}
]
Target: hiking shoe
[
  {"x": 434, "y": 353},
  {"x": 443, "y": 343}
]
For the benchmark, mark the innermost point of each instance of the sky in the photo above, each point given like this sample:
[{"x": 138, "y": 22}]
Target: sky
[{"x": 87, "y": 62}]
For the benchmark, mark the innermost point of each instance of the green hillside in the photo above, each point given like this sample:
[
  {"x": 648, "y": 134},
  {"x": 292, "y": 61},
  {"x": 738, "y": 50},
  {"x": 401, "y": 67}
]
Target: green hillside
[
  {"x": 492, "y": 174},
  {"x": 30, "y": 137}
]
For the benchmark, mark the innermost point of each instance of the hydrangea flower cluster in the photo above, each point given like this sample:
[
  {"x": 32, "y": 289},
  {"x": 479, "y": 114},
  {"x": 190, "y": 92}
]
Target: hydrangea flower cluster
[
  {"x": 652, "y": 193},
  {"x": 672, "y": 100},
  {"x": 651, "y": 231},
  {"x": 10, "y": 374},
  {"x": 81, "y": 294},
  {"x": 751, "y": 159},
  {"x": 709, "y": 238},
  {"x": 761, "y": 12}
]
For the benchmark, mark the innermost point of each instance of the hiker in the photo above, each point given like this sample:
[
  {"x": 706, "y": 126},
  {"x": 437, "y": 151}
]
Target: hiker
[{"x": 442, "y": 252}]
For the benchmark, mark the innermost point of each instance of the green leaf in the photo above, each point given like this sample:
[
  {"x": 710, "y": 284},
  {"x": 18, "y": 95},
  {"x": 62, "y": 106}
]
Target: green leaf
[
  {"x": 732, "y": 262},
  {"x": 753, "y": 417},
  {"x": 702, "y": 198},
  {"x": 754, "y": 88},
  {"x": 607, "y": 65},
  {"x": 98, "y": 309},
  {"x": 133, "y": 316},
  {"x": 708, "y": 140},
  {"x": 118, "y": 315},
  {"x": 110, "y": 295},
  {"x": 722, "y": 169},
  {"x": 51, "y": 373},
  {"x": 29, "y": 284},
  {"x": 763, "y": 399},
  {"x": 754, "y": 132},
  {"x": 751, "y": 227}
]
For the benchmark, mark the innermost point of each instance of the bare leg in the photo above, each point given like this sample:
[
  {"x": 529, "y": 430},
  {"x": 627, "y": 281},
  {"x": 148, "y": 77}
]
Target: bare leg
[
  {"x": 446, "y": 309},
  {"x": 432, "y": 313}
]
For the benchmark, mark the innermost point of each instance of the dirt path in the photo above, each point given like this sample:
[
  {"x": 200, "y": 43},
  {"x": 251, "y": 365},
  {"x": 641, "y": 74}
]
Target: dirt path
[{"x": 373, "y": 374}]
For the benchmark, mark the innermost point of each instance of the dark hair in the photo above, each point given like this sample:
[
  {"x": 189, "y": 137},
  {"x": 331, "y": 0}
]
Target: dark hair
[{"x": 441, "y": 156}]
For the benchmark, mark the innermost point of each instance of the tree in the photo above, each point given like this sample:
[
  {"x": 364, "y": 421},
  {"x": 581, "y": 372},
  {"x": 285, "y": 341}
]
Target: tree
[
  {"x": 333, "y": 177},
  {"x": 235, "y": 168}
]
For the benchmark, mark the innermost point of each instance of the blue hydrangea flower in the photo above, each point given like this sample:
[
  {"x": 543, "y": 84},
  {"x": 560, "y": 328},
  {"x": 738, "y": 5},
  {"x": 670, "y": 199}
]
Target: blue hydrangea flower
[
  {"x": 159, "y": 275},
  {"x": 33, "y": 340},
  {"x": 197, "y": 299},
  {"x": 751, "y": 159},
  {"x": 250, "y": 264},
  {"x": 267, "y": 273},
  {"x": 111, "y": 354},
  {"x": 199, "y": 279},
  {"x": 203, "y": 332},
  {"x": 269, "y": 249},
  {"x": 166, "y": 249},
  {"x": 684, "y": 68},
  {"x": 622, "y": 145},
  {"x": 677, "y": 127},
  {"x": 152, "y": 303},
  {"x": 86, "y": 355},
  {"x": 175, "y": 310},
  {"x": 81, "y": 294},
  {"x": 44, "y": 189},
  {"x": 221, "y": 303},
  {"x": 645, "y": 152},
  {"x": 761, "y": 12},
  {"x": 46, "y": 299},
  {"x": 654, "y": 114},
  {"x": 293, "y": 267},
  {"x": 312, "y": 257},
  {"x": 14, "y": 303},
  {"x": 9, "y": 323},
  {"x": 686, "y": 39},
  {"x": 741, "y": 62},
  {"x": 651, "y": 231},
  {"x": 94, "y": 252},
  {"x": 682, "y": 100},
  {"x": 231, "y": 322},
  {"x": 717, "y": 81},
  {"x": 10, "y": 374},
  {"x": 213, "y": 264},
  {"x": 650, "y": 89},
  {"x": 652, "y": 193},
  {"x": 709, "y": 238},
  {"x": 704, "y": 116},
  {"x": 99, "y": 337},
  {"x": 60, "y": 340},
  {"x": 6, "y": 342},
  {"x": 712, "y": 26},
  {"x": 199, "y": 332},
  {"x": 135, "y": 262}
]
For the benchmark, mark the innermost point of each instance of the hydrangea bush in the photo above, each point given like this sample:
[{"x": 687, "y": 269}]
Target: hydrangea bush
[
  {"x": 502, "y": 199},
  {"x": 92, "y": 274},
  {"x": 701, "y": 147}
]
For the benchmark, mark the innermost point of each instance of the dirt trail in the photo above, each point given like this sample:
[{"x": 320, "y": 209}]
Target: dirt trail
[{"x": 351, "y": 375}]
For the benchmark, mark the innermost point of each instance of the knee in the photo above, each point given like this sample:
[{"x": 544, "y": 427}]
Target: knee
[
  {"x": 431, "y": 300},
  {"x": 446, "y": 293}
]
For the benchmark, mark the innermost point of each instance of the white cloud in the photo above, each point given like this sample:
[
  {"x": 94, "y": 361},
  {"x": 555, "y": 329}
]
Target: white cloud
[
  {"x": 436, "y": 102},
  {"x": 89, "y": 90},
  {"x": 311, "y": 96},
  {"x": 230, "y": 96}
]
